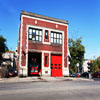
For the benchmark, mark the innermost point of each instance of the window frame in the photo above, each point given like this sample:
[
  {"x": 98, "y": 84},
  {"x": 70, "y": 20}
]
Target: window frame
[
  {"x": 36, "y": 36},
  {"x": 46, "y": 58},
  {"x": 46, "y": 35},
  {"x": 56, "y": 38}
]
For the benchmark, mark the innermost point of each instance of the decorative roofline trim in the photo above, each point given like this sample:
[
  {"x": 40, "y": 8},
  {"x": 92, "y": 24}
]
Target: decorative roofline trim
[{"x": 43, "y": 17}]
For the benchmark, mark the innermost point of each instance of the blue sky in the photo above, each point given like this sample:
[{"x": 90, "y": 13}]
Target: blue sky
[{"x": 83, "y": 17}]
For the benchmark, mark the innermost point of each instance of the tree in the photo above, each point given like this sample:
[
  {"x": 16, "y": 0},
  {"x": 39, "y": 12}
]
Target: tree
[
  {"x": 77, "y": 51},
  {"x": 95, "y": 65},
  {"x": 3, "y": 47}
]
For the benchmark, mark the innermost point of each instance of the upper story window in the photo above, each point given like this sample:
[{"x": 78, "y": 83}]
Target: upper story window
[
  {"x": 35, "y": 34},
  {"x": 46, "y": 34},
  {"x": 56, "y": 37}
]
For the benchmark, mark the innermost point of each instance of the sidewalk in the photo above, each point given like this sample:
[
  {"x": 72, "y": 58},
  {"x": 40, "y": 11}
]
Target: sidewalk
[
  {"x": 18, "y": 79},
  {"x": 65, "y": 79},
  {"x": 42, "y": 79}
]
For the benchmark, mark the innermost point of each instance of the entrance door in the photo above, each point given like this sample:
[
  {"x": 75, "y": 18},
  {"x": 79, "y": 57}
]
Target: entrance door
[
  {"x": 56, "y": 65},
  {"x": 34, "y": 64}
]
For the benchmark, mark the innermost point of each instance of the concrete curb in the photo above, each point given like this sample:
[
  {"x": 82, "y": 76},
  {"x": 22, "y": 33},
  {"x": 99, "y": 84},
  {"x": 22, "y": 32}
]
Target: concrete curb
[
  {"x": 17, "y": 79},
  {"x": 65, "y": 79},
  {"x": 41, "y": 79},
  {"x": 82, "y": 79}
]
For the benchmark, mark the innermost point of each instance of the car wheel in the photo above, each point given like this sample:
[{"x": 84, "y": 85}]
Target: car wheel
[{"x": 98, "y": 76}]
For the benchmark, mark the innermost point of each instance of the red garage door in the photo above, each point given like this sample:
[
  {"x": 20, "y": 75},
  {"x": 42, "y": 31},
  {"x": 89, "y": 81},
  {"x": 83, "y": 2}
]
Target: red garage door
[{"x": 56, "y": 65}]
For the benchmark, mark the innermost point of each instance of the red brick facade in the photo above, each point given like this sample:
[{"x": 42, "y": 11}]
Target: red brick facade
[
  {"x": 46, "y": 47},
  {"x": 23, "y": 39}
]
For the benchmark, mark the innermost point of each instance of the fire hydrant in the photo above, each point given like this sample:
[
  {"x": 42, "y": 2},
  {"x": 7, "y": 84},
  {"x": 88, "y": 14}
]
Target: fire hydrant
[{"x": 78, "y": 75}]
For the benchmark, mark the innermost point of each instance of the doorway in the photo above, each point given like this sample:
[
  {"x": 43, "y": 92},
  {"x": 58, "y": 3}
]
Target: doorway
[{"x": 34, "y": 64}]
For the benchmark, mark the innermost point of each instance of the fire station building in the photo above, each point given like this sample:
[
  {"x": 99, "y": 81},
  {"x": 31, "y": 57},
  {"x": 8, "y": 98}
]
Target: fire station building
[{"x": 42, "y": 46}]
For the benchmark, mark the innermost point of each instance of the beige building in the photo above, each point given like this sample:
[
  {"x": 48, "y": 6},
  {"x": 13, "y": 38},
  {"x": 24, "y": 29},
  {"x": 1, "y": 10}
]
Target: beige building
[
  {"x": 8, "y": 58},
  {"x": 85, "y": 65}
]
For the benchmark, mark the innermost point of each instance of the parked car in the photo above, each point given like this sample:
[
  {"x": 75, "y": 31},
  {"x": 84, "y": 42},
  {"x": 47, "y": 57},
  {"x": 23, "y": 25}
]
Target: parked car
[
  {"x": 96, "y": 75},
  {"x": 71, "y": 74},
  {"x": 77, "y": 74},
  {"x": 12, "y": 72},
  {"x": 85, "y": 74}
]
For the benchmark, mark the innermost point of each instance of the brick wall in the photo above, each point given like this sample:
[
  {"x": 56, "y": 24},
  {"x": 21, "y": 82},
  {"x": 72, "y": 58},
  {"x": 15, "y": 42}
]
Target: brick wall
[
  {"x": 46, "y": 47},
  {"x": 29, "y": 21}
]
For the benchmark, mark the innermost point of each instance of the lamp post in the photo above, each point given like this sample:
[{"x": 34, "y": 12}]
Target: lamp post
[{"x": 77, "y": 67}]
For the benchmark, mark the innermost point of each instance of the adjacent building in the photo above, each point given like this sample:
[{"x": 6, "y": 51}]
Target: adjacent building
[
  {"x": 8, "y": 59},
  {"x": 85, "y": 65},
  {"x": 42, "y": 46}
]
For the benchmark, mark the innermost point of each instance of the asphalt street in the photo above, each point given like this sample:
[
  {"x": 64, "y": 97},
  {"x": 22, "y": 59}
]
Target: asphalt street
[{"x": 57, "y": 90}]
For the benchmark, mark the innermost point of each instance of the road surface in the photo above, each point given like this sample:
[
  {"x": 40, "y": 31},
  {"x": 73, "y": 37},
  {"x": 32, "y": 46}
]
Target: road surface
[{"x": 59, "y": 90}]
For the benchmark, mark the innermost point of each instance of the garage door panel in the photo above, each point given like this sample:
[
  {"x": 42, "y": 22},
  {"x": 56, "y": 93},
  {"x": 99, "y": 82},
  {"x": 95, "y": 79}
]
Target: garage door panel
[{"x": 56, "y": 66}]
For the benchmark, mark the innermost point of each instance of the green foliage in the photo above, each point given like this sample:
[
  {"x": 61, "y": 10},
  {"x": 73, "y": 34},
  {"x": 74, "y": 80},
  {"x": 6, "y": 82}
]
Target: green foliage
[
  {"x": 95, "y": 65},
  {"x": 3, "y": 46},
  {"x": 77, "y": 51}
]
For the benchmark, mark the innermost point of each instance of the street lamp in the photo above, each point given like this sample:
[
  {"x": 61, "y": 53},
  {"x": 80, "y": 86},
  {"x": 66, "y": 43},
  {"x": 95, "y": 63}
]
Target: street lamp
[{"x": 77, "y": 67}]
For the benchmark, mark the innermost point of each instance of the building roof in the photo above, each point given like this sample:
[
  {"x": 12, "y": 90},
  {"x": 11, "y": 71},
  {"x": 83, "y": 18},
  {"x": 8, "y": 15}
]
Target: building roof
[{"x": 43, "y": 17}]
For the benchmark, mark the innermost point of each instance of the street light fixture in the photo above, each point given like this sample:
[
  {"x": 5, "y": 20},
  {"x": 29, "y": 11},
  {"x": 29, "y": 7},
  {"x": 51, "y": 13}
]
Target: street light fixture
[{"x": 77, "y": 67}]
